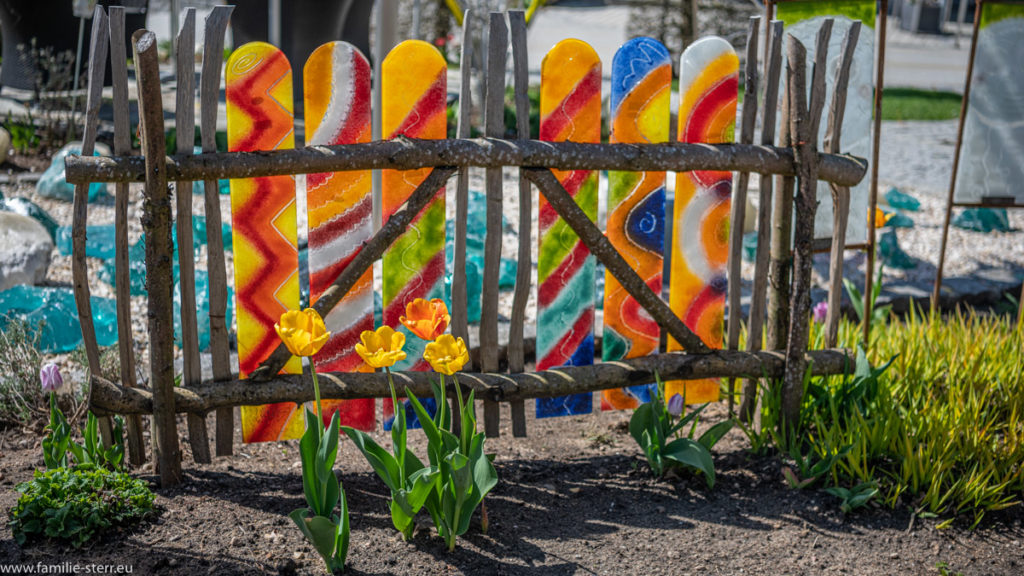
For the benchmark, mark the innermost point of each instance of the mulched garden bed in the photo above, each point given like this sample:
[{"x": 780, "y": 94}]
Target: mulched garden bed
[{"x": 573, "y": 498}]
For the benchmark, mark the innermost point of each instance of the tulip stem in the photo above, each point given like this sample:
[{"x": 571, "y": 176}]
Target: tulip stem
[{"x": 316, "y": 393}]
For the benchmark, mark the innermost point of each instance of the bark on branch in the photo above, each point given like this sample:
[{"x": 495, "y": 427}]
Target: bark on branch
[
  {"x": 109, "y": 398},
  {"x": 406, "y": 153}
]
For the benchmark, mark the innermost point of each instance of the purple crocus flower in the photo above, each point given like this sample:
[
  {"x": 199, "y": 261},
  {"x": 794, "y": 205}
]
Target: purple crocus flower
[
  {"x": 50, "y": 377},
  {"x": 820, "y": 311},
  {"x": 675, "y": 405}
]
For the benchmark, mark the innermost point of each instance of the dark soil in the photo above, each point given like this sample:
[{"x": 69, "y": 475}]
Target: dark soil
[{"x": 573, "y": 498}]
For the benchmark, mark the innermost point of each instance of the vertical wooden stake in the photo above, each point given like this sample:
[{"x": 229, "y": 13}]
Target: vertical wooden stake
[
  {"x": 755, "y": 331},
  {"x": 781, "y": 242},
  {"x": 494, "y": 110},
  {"x": 209, "y": 94},
  {"x": 460, "y": 304},
  {"x": 122, "y": 279},
  {"x": 156, "y": 223},
  {"x": 840, "y": 194},
  {"x": 184, "y": 123},
  {"x": 524, "y": 265},
  {"x": 80, "y": 210},
  {"x": 739, "y": 199},
  {"x": 805, "y": 144}
]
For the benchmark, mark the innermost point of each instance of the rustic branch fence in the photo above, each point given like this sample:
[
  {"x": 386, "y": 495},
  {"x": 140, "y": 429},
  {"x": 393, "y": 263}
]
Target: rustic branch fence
[{"x": 796, "y": 160}]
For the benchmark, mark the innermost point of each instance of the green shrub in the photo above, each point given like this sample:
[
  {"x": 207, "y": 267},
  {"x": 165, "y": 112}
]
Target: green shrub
[{"x": 73, "y": 505}]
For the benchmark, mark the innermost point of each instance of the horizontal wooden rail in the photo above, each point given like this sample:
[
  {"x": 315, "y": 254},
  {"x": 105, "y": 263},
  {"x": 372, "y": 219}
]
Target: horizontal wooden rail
[
  {"x": 107, "y": 397},
  {"x": 406, "y": 153}
]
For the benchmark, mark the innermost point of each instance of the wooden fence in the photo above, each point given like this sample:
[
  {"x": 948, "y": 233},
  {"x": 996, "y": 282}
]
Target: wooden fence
[{"x": 781, "y": 289}]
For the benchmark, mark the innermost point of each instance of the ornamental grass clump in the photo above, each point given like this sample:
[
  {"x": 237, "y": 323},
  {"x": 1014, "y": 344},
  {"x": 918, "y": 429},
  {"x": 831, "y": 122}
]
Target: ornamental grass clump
[
  {"x": 304, "y": 333},
  {"x": 936, "y": 429}
]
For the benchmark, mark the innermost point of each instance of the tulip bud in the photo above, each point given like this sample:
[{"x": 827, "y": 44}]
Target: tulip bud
[
  {"x": 820, "y": 311},
  {"x": 50, "y": 378},
  {"x": 675, "y": 405}
]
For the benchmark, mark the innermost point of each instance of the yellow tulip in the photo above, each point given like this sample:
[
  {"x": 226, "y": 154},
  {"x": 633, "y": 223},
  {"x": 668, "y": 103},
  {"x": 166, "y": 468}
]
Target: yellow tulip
[
  {"x": 303, "y": 332},
  {"x": 447, "y": 354},
  {"x": 427, "y": 319},
  {"x": 381, "y": 348}
]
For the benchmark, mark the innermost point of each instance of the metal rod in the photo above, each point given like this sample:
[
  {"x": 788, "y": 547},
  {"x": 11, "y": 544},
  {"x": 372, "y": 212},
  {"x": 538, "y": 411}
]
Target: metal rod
[
  {"x": 873, "y": 191},
  {"x": 936, "y": 290}
]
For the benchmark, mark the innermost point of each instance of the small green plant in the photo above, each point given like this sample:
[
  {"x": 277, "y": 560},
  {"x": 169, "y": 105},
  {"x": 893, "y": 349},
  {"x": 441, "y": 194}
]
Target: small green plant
[
  {"x": 853, "y": 498},
  {"x": 93, "y": 452},
  {"x": 57, "y": 438},
  {"x": 409, "y": 481},
  {"x": 654, "y": 427},
  {"x": 945, "y": 570},
  {"x": 74, "y": 505},
  {"x": 879, "y": 314},
  {"x": 24, "y": 137},
  {"x": 466, "y": 472}
]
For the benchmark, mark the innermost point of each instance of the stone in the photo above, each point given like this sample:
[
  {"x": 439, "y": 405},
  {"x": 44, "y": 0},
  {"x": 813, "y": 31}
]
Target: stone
[
  {"x": 53, "y": 184},
  {"x": 136, "y": 269},
  {"x": 902, "y": 201},
  {"x": 749, "y": 246},
  {"x": 25, "y": 249},
  {"x": 99, "y": 241},
  {"x": 52, "y": 313},
  {"x": 5, "y": 144},
  {"x": 892, "y": 255},
  {"x": 476, "y": 233},
  {"x": 899, "y": 220},
  {"x": 983, "y": 220},
  {"x": 26, "y": 207}
]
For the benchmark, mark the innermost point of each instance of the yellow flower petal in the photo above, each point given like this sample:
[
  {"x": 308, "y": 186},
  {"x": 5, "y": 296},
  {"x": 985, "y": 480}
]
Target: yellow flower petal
[
  {"x": 447, "y": 354},
  {"x": 381, "y": 348},
  {"x": 303, "y": 332}
]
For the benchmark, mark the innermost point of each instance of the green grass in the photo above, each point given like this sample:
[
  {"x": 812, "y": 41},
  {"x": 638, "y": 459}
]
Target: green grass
[
  {"x": 914, "y": 104},
  {"x": 940, "y": 432}
]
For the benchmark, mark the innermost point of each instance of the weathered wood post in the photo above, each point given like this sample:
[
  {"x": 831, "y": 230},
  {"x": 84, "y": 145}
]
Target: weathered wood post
[
  {"x": 840, "y": 194},
  {"x": 804, "y": 121},
  {"x": 156, "y": 223},
  {"x": 122, "y": 278},
  {"x": 739, "y": 199},
  {"x": 184, "y": 124},
  {"x": 209, "y": 92},
  {"x": 755, "y": 330},
  {"x": 79, "y": 266},
  {"x": 494, "y": 111},
  {"x": 524, "y": 265}
]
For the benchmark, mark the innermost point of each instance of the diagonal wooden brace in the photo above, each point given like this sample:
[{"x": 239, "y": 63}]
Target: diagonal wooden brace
[
  {"x": 602, "y": 248},
  {"x": 371, "y": 251}
]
